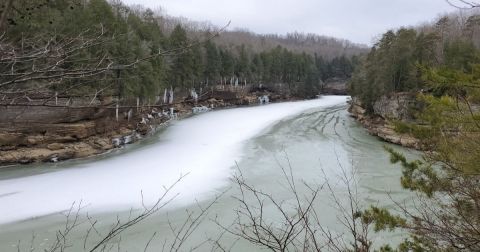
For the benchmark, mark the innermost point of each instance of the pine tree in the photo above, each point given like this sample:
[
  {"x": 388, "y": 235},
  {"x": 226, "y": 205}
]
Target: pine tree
[
  {"x": 212, "y": 63},
  {"x": 181, "y": 69}
]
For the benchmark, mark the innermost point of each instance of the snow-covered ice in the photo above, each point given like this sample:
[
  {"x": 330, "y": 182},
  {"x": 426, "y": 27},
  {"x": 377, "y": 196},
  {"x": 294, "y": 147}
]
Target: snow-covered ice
[{"x": 205, "y": 147}]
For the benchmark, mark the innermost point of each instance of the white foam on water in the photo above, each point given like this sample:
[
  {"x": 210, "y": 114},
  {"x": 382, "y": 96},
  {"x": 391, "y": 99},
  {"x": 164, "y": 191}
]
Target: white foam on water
[{"x": 205, "y": 147}]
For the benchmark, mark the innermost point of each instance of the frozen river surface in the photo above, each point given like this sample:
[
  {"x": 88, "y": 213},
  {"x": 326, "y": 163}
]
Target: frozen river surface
[{"x": 317, "y": 136}]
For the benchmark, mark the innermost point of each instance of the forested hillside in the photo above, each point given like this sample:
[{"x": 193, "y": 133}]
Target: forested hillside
[
  {"x": 78, "y": 47},
  {"x": 77, "y": 78},
  {"x": 437, "y": 67},
  {"x": 401, "y": 59}
]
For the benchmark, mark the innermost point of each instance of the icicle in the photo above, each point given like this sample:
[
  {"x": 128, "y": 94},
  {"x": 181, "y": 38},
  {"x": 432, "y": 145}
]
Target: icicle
[
  {"x": 263, "y": 100},
  {"x": 266, "y": 100},
  {"x": 129, "y": 114},
  {"x": 170, "y": 101},
  {"x": 165, "y": 96},
  {"x": 194, "y": 95},
  {"x": 202, "y": 109},
  {"x": 116, "y": 112}
]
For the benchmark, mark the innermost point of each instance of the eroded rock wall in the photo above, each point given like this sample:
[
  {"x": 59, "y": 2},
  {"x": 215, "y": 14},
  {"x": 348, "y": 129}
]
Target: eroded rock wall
[
  {"x": 396, "y": 106},
  {"x": 386, "y": 110},
  {"x": 37, "y": 132}
]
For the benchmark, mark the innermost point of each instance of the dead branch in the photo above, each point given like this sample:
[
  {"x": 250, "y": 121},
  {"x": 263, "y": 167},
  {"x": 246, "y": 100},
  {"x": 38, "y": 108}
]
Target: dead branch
[
  {"x": 51, "y": 62},
  {"x": 462, "y": 4},
  {"x": 299, "y": 227}
]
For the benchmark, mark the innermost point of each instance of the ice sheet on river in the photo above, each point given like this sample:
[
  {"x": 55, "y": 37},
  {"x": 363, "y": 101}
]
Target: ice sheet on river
[{"x": 205, "y": 147}]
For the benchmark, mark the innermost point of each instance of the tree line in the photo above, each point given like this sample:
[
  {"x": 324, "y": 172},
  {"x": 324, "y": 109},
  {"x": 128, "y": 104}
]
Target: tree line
[
  {"x": 130, "y": 53},
  {"x": 398, "y": 61},
  {"x": 62, "y": 44},
  {"x": 440, "y": 63}
]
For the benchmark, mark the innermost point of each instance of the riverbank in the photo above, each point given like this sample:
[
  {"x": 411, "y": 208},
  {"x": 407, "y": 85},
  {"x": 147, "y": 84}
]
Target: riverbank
[
  {"x": 380, "y": 123},
  {"x": 205, "y": 147},
  {"x": 25, "y": 143},
  {"x": 316, "y": 134}
]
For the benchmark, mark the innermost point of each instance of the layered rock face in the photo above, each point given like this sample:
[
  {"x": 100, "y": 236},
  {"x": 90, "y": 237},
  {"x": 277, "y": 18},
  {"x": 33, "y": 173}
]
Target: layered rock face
[
  {"x": 38, "y": 132},
  {"x": 335, "y": 86},
  {"x": 50, "y": 134},
  {"x": 395, "y": 107},
  {"x": 387, "y": 109}
]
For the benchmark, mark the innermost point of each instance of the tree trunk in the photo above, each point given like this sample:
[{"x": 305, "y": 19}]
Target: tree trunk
[{"x": 4, "y": 15}]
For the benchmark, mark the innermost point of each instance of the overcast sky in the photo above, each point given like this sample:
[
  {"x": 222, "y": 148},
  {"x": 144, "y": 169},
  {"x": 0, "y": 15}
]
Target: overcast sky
[{"x": 357, "y": 20}]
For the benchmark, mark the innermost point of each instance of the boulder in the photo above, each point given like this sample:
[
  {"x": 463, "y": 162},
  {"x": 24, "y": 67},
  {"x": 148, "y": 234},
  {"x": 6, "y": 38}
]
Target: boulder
[
  {"x": 55, "y": 146},
  {"x": 397, "y": 106},
  {"x": 10, "y": 139},
  {"x": 335, "y": 86},
  {"x": 103, "y": 144}
]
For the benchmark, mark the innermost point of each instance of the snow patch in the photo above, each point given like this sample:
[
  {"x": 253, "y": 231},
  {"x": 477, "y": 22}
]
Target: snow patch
[{"x": 205, "y": 147}]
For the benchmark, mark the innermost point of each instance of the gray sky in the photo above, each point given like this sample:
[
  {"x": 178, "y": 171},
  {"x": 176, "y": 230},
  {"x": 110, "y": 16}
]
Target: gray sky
[{"x": 357, "y": 20}]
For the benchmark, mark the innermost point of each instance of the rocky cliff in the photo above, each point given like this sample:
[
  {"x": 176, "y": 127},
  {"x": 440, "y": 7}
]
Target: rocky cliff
[
  {"x": 397, "y": 106},
  {"x": 52, "y": 133},
  {"x": 387, "y": 109},
  {"x": 335, "y": 86},
  {"x": 35, "y": 131}
]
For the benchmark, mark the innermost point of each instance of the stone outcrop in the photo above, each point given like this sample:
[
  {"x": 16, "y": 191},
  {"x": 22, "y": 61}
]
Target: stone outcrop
[
  {"x": 49, "y": 133},
  {"x": 55, "y": 143},
  {"x": 54, "y": 152},
  {"x": 387, "y": 109},
  {"x": 395, "y": 107},
  {"x": 335, "y": 86}
]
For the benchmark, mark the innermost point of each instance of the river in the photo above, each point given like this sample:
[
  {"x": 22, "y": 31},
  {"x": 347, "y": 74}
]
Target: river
[{"x": 315, "y": 138}]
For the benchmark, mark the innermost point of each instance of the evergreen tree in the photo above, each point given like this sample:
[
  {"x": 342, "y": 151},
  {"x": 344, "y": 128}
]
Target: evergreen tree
[
  {"x": 243, "y": 65},
  {"x": 258, "y": 68},
  {"x": 212, "y": 63},
  {"x": 181, "y": 69},
  {"x": 123, "y": 36},
  {"x": 227, "y": 64},
  {"x": 198, "y": 65}
]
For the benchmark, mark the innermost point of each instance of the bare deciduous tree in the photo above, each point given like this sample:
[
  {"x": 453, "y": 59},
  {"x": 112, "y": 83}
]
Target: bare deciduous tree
[
  {"x": 52, "y": 60},
  {"x": 299, "y": 227},
  {"x": 111, "y": 239}
]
